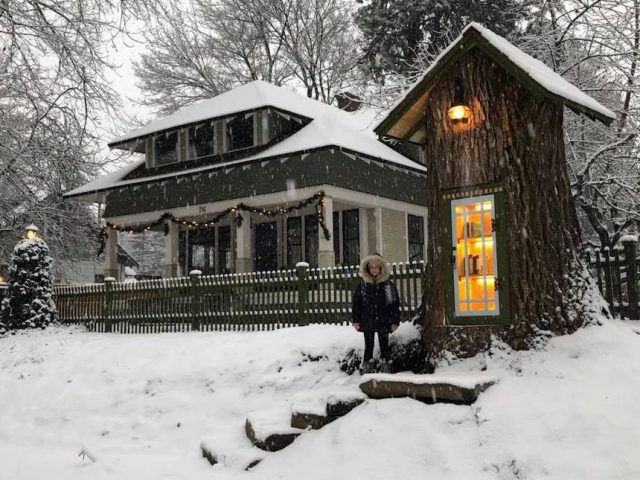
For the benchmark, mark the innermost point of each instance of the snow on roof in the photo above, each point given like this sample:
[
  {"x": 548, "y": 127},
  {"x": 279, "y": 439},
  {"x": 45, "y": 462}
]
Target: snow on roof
[
  {"x": 329, "y": 127},
  {"x": 250, "y": 96},
  {"x": 537, "y": 70}
]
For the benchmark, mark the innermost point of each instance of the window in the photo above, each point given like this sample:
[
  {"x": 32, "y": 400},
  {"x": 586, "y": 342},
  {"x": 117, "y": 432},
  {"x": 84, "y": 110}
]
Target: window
[
  {"x": 240, "y": 132},
  {"x": 336, "y": 237},
  {"x": 415, "y": 235},
  {"x": 351, "y": 237},
  {"x": 166, "y": 148},
  {"x": 475, "y": 257},
  {"x": 202, "y": 251},
  {"x": 311, "y": 240},
  {"x": 201, "y": 140},
  {"x": 225, "y": 257},
  {"x": 282, "y": 124},
  {"x": 294, "y": 241}
]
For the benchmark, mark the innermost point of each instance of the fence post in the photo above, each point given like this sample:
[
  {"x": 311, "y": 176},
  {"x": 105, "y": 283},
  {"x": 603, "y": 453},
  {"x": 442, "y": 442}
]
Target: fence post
[
  {"x": 108, "y": 303},
  {"x": 195, "y": 299},
  {"x": 630, "y": 243},
  {"x": 302, "y": 270}
]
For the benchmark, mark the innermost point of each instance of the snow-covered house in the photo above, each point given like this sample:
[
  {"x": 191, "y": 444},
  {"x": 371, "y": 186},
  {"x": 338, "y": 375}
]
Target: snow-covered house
[{"x": 260, "y": 178}]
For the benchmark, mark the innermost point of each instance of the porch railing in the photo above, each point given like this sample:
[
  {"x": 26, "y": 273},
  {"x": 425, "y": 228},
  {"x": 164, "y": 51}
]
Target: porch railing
[
  {"x": 245, "y": 301},
  {"x": 617, "y": 273}
]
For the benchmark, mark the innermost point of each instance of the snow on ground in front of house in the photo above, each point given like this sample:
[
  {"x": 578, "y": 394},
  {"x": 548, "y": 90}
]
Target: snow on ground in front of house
[{"x": 141, "y": 405}]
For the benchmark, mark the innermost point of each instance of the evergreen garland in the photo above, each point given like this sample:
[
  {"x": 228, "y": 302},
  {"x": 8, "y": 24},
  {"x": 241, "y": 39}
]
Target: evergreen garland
[{"x": 167, "y": 218}]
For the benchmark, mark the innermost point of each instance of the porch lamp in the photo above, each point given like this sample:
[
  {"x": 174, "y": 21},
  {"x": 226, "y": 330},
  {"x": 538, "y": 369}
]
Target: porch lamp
[
  {"x": 459, "y": 112},
  {"x": 2, "y": 279},
  {"x": 31, "y": 232}
]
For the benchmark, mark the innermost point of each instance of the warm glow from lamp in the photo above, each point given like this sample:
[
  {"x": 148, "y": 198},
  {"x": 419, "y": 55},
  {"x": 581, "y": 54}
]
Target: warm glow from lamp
[
  {"x": 2, "y": 280},
  {"x": 31, "y": 232},
  {"x": 459, "y": 114}
]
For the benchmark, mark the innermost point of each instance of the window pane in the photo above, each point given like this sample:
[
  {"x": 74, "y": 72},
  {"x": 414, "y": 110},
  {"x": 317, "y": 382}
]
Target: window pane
[
  {"x": 240, "y": 132},
  {"x": 201, "y": 140},
  {"x": 282, "y": 125},
  {"x": 415, "y": 227},
  {"x": 351, "y": 237},
  {"x": 202, "y": 250},
  {"x": 224, "y": 250},
  {"x": 311, "y": 240},
  {"x": 166, "y": 148},
  {"x": 336, "y": 236},
  {"x": 294, "y": 241}
]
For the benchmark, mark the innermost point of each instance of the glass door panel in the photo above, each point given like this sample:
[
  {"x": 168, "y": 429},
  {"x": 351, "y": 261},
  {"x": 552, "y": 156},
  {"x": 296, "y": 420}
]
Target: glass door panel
[{"x": 474, "y": 251}]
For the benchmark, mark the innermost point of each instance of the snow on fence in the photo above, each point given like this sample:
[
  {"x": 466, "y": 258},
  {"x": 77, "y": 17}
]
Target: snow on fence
[
  {"x": 243, "y": 301},
  {"x": 617, "y": 272}
]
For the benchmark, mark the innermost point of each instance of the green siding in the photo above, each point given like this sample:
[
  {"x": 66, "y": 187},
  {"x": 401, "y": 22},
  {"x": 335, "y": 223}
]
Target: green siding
[{"x": 325, "y": 167}]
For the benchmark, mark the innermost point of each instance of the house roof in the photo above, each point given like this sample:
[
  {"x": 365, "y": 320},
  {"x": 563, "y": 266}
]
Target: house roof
[
  {"x": 526, "y": 69},
  {"x": 329, "y": 128}
]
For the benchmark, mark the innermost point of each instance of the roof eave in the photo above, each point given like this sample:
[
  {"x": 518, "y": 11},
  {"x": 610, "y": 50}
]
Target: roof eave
[{"x": 472, "y": 38}]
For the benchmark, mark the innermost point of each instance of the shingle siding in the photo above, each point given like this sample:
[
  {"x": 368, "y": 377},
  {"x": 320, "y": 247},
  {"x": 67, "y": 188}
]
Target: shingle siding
[
  {"x": 394, "y": 235},
  {"x": 325, "y": 167}
]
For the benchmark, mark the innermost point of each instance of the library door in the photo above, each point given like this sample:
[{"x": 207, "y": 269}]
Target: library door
[
  {"x": 266, "y": 253},
  {"x": 476, "y": 271}
]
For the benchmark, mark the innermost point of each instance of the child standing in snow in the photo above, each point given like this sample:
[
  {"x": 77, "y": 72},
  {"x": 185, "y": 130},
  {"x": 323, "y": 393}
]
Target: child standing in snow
[{"x": 375, "y": 309}]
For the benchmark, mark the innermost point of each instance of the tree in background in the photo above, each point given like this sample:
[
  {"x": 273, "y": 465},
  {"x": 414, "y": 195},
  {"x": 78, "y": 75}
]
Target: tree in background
[
  {"x": 395, "y": 31},
  {"x": 53, "y": 96},
  {"x": 29, "y": 300},
  {"x": 596, "y": 46},
  {"x": 201, "y": 49}
]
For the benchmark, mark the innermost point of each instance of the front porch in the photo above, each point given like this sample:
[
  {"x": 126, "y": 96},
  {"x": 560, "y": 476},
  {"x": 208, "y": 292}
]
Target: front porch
[{"x": 276, "y": 231}]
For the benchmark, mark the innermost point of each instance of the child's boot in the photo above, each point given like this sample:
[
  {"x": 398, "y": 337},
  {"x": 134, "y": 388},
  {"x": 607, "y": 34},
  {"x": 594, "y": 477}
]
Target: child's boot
[{"x": 386, "y": 366}]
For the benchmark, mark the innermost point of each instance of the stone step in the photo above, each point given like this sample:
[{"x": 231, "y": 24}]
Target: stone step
[
  {"x": 270, "y": 430},
  {"x": 452, "y": 388},
  {"x": 315, "y": 409},
  {"x": 218, "y": 450}
]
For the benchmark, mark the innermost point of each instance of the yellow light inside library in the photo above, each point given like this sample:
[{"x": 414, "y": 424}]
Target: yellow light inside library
[{"x": 490, "y": 279}]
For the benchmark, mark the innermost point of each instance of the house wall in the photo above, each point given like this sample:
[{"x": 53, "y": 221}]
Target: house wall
[{"x": 325, "y": 167}]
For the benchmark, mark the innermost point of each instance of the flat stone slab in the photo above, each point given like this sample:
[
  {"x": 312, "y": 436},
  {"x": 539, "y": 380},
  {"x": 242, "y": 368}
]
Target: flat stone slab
[
  {"x": 270, "y": 430},
  {"x": 455, "y": 388},
  {"x": 306, "y": 421},
  {"x": 315, "y": 409}
]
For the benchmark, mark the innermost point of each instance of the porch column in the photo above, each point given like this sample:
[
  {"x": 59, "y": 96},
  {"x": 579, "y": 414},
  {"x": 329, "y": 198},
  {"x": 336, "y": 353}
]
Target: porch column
[
  {"x": 243, "y": 245},
  {"x": 171, "y": 252},
  {"x": 111, "y": 254},
  {"x": 326, "y": 256}
]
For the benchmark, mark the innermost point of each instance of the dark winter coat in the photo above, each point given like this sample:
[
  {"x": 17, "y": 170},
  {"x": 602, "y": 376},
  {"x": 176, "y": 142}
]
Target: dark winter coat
[{"x": 376, "y": 305}]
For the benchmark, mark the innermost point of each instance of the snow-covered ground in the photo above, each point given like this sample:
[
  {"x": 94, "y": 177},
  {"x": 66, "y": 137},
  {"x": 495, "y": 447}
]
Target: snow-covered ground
[{"x": 141, "y": 406}]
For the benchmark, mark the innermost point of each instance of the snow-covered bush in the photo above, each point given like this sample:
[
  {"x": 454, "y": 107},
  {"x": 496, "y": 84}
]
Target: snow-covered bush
[{"x": 29, "y": 300}]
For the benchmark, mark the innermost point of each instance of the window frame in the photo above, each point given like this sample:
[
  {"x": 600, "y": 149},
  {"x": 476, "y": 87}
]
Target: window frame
[{"x": 154, "y": 142}]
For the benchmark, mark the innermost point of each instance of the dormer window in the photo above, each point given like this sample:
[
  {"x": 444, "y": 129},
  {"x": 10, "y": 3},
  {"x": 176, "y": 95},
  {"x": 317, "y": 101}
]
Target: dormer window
[
  {"x": 283, "y": 124},
  {"x": 202, "y": 140},
  {"x": 239, "y": 131},
  {"x": 166, "y": 148}
]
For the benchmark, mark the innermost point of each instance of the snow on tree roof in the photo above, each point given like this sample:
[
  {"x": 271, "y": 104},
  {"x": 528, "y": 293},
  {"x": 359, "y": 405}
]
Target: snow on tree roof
[
  {"x": 550, "y": 81},
  {"x": 330, "y": 127}
]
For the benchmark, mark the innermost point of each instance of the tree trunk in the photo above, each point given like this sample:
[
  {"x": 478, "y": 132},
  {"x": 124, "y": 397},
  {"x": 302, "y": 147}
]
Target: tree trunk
[{"x": 514, "y": 140}]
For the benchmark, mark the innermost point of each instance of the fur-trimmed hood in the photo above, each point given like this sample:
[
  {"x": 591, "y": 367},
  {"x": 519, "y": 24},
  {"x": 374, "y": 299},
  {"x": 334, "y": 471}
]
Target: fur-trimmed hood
[{"x": 384, "y": 269}]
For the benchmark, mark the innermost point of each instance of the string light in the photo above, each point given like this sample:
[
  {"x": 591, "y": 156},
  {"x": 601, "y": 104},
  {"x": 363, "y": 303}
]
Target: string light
[{"x": 166, "y": 218}]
